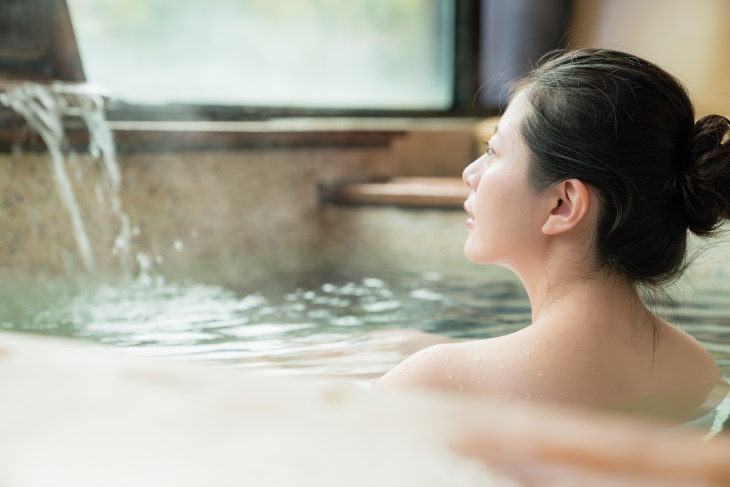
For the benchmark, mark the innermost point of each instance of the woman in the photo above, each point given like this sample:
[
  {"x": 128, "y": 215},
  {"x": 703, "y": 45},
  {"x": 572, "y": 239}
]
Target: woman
[{"x": 587, "y": 191}]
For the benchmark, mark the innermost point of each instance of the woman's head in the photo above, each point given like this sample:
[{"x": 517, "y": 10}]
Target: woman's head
[{"x": 626, "y": 128}]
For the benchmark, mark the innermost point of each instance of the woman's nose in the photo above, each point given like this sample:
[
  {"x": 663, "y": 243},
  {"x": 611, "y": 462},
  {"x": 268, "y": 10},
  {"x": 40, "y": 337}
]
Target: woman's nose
[{"x": 469, "y": 175}]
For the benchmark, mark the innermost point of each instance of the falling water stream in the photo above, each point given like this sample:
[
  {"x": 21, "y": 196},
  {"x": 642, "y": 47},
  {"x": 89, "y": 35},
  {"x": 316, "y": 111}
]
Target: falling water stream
[{"x": 45, "y": 109}]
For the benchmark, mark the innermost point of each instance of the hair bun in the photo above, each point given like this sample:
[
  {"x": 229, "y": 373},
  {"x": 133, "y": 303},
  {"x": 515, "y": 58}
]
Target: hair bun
[{"x": 705, "y": 184}]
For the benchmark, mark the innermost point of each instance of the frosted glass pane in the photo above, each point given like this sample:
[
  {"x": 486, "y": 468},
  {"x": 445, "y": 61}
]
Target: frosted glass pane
[{"x": 295, "y": 53}]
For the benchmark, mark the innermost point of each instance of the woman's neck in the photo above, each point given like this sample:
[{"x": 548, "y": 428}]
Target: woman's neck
[{"x": 582, "y": 295}]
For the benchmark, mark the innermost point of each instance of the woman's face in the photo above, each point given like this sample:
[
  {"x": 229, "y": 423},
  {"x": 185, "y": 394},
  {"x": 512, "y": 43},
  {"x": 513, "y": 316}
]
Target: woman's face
[{"x": 502, "y": 224}]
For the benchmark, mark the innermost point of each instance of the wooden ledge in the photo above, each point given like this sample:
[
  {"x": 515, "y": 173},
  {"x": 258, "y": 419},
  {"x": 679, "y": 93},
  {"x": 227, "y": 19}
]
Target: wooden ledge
[
  {"x": 434, "y": 192},
  {"x": 190, "y": 136}
]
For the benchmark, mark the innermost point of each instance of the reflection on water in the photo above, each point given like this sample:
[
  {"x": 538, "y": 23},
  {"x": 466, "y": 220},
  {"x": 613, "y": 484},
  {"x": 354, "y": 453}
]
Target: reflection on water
[
  {"x": 319, "y": 324},
  {"x": 354, "y": 326}
]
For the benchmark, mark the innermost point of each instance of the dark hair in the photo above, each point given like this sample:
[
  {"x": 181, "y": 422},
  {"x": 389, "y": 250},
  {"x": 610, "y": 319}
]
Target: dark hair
[{"x": 626, "y": 127}]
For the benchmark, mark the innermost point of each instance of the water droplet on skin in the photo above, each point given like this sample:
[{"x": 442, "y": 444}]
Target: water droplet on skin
[
  {"x": 461, "y": 388},
  {"x": 477, "y": 358},
  {"x": 449, "y": 376},
  {"x": 539, "y": 374},
  {"x": 527, "y": 394},
  {"x": 526, "y": 352},
  {"x": 501, "y": 366},
  {"x": 446, "y": 359}
]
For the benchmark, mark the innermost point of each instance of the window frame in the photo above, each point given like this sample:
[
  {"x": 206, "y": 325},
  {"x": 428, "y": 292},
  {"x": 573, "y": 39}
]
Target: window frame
[{"x": 465, "y": 86}]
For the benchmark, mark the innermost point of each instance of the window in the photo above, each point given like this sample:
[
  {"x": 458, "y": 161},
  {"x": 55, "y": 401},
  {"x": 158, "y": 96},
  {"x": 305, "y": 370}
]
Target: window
[{"x": 326, "y": 54}]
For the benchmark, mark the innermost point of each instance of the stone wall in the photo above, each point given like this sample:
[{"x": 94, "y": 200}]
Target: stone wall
[{"x": 242, "y": 210}]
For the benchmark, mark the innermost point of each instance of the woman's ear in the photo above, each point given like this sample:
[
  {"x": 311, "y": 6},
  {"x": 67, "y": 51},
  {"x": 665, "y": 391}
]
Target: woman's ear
[{"x": 569, "y": 203}]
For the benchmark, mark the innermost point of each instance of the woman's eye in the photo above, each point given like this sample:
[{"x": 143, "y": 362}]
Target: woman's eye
[{"x": 488, "y": 149}]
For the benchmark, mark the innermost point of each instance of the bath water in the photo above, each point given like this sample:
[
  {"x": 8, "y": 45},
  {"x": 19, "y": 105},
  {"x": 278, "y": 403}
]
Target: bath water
[{"x": 345, "y": 324}]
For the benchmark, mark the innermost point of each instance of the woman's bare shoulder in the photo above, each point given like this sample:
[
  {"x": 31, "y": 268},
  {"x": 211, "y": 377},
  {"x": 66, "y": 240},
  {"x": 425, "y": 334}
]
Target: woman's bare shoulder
[
  {"x": 683, "y": 360},
  {"x": 454, "y": 366},
  {"x": 428, "y": 367}
]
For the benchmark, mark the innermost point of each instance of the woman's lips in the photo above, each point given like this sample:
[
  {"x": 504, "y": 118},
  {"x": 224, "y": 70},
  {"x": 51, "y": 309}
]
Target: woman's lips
[{"x": 470, "y": 222}]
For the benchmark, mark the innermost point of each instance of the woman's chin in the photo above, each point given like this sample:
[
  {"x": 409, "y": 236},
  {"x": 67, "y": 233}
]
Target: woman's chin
[{"x": 475, "y": 255}]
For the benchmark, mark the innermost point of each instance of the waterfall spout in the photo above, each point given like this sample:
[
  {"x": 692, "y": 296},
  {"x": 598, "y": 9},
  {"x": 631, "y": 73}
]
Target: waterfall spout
[{"x": 45, "y": 108}]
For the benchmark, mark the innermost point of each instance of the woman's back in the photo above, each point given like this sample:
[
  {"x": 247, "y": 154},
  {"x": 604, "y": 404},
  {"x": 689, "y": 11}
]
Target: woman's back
[{"x": 625, "y": 360}]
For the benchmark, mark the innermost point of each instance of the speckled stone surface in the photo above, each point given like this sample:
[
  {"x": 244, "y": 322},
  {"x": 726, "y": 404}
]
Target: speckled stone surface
[{"x": 244, "y": 211}]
